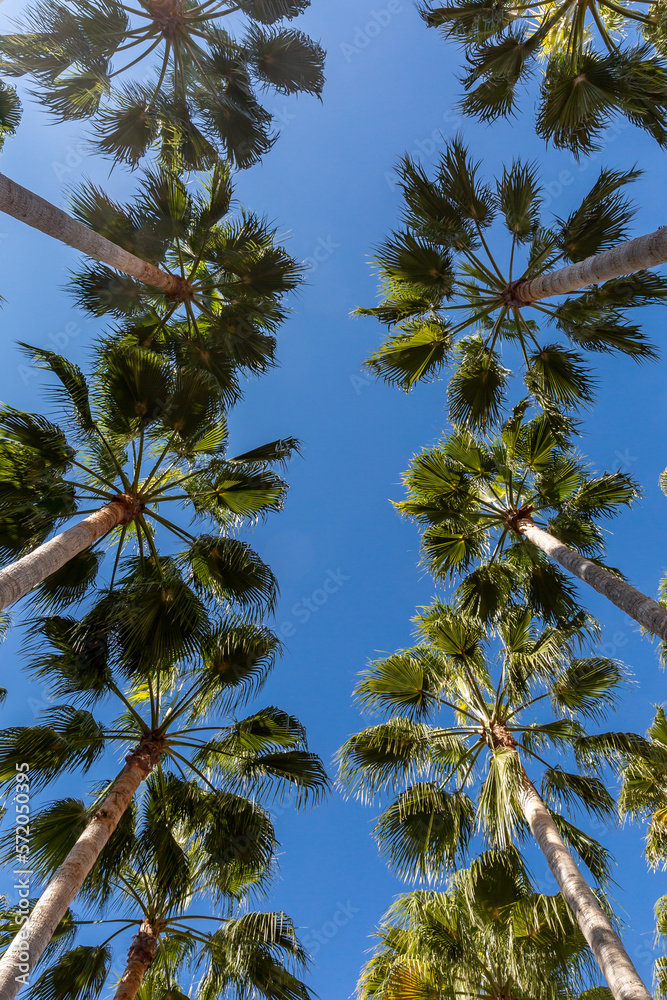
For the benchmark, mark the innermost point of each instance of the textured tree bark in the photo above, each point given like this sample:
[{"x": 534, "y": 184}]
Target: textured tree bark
[
  {"x": 626, "y": 258},
  {"x": 643, "y": 609},
  {"x": 27, "y": 207},
  {"x": 38, "y": 930},
  {"x": 617, "y": 967},
  {"x": 20, "y": 577},
  {"x": 139, "y": 960}
]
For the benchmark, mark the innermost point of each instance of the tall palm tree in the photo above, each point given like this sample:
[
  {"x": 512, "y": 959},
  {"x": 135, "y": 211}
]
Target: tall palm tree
[
  {"x": 448, "y": 298},
  {"x": 591, "y": 72},
  {"x": 504, "y": 720},
  {"x": 491, "y": 935},
  {"x": 146, "y": 435},
  {"x": 181, "y": 257},
  {"x": 498, "y": 512},
  {"x": 170, "y": 684},
  {"x": 176, "y": 857},
  {"x": 202, "y": 96}
]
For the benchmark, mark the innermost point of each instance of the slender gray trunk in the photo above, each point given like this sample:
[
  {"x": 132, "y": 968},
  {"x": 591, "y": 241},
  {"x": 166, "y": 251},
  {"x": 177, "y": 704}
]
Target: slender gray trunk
[
  {"x": 27, "y": 207},
  {"x": 626, "y": 258},
  {"x": 139, "y": 960},
  {"x": 624, "y": 981},
  {"x": 643, "y": 609},
  {"x": 37, "y": 931},
  {"x": 20, "y": 577}
]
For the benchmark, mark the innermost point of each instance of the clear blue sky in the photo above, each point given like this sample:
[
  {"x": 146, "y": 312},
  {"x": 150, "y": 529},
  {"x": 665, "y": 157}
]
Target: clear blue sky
[{"x": 328, "y": 182}]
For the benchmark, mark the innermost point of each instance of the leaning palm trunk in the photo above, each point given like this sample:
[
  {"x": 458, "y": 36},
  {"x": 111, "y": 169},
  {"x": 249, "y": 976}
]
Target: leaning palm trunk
[
  {"x": 20, "y": 577},
  {"x": 643, "y": 609},
  {"x": 626, "y": 258},
  {"x": 615, "y": 963},
  {"x": 27, "y": 207},
  {"x": 139, "y": 960},
  {"x": 29, "y": 944}
]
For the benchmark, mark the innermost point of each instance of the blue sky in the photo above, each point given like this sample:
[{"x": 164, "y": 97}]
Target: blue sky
[{"x": 329, "y": 183}]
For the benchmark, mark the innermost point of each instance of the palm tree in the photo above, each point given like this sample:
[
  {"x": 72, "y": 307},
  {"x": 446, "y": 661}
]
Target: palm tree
[
  {"x": 491, "y": 935},
  {"x": 448, "y": 298},
  {"x": 499, "y": 512},
  {"x": 146, "y": 434},
  {"x": 486, "y": 747},
  {"x": 202, "y": 97},
  {"x": 169, "y": 680},
  {"x": 178, "y": 856},
  {"x": 584, "y": 85},
  {"x": 182, "y": 257}
]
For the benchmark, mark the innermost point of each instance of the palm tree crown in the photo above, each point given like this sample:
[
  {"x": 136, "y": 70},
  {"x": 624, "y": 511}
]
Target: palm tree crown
[
  {"x": 533, "y": 705},
  {"x": 202, "y": 97},
  {"x": 491, "y": 935},
  {"x": 473, "y": 495},
  {"x": 171, "y": 676},
  {"x": 149, "y": 439},
  {"x": 231, "y": 273},
  {"x": 584, "y": 85},
  {"x": 149, "y": 650},
  {"x": 453, "y": 301}
]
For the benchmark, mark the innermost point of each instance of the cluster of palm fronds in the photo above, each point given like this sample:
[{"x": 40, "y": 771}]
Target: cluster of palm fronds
[
  {"x": 147, "y": 616},
  {"x": 97, "y": 60},
  {"x": 491, "y": 721}
]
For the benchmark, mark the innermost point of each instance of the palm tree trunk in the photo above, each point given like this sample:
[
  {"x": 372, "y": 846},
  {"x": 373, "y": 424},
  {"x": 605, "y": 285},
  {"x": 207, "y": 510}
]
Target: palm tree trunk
[
  {"x": 27, "y": 207},
  {"x": 643, "y": 609},
  {"x": 624, "y": 981},
  {"x": 38, "y": 930},
  {"x": 626, "y": 258},
  {"x": 20, "y": 577},
  {"x": 139, "y": 960}
]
